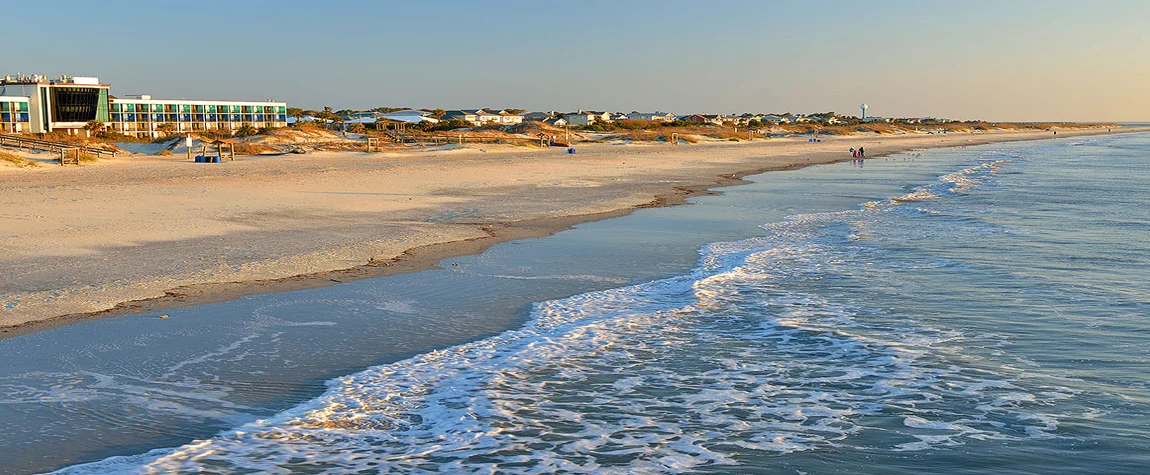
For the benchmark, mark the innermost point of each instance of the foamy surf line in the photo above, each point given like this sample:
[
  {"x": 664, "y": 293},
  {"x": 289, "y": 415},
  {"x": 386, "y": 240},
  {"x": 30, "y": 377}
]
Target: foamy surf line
[{"x": 739, "y": 357}]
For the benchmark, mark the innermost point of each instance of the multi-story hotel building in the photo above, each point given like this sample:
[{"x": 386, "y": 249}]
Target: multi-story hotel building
[
  {"x": 35, "y": 104},
  {"x": 67, "y": 103},
  {"x": 143, "y": 116}
]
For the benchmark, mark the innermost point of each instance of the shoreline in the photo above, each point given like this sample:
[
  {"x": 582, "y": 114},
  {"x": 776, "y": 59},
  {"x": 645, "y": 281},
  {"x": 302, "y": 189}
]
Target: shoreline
[{"x": 491, "y": 232}]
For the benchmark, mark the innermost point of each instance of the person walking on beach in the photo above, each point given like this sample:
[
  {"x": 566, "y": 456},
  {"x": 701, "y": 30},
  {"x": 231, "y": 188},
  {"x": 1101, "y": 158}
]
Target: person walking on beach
[
  {"x": 854, "y": 154},
  {"x": 862, "y": 154}
]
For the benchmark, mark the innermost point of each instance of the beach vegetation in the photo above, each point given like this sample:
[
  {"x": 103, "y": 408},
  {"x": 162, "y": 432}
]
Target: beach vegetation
[
  {"x": 87, "y": 158},
  {"x": 246, "y": 130},
  {"x": 94, "y": 127},
  {"x": 16, "y": 160},
  {"x": 296, "y": 113},
  {"x": 446, "y": 125}
]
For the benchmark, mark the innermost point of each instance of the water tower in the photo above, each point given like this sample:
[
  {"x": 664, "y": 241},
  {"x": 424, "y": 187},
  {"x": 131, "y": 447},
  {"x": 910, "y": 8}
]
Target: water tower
[{"x": 864, "y": 107}]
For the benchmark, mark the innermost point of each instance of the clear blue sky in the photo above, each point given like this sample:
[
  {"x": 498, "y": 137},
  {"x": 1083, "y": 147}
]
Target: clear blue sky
[{"x": 998, "y": 60}]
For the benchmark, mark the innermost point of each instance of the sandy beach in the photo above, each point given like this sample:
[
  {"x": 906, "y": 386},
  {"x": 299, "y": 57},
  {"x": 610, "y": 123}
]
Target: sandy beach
[{"x": 143, "y": 233}]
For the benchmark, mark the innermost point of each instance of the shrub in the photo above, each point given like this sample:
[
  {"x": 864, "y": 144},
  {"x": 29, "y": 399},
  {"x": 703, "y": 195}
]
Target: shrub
[{"x": 449, "y": 125}]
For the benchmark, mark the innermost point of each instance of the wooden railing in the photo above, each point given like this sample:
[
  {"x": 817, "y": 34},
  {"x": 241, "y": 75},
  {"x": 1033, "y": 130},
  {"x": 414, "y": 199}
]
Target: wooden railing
[{"x": 24, "y": 142}]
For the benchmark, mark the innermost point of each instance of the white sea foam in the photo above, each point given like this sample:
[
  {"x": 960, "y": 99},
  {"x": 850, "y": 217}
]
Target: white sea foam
[{"x": 738, "y": 358}]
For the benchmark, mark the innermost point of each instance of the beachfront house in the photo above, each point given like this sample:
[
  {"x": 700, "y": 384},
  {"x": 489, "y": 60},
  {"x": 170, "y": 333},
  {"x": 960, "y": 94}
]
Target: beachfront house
[
  {"x": 618, "y": 116},
  {"x": 483, "y": 117},
  {"x": 712, "y": 119},
  {"x": 654, "y": 116},
  {"x": 555, "y": 121},
  {"x": 470, "y": 116},
  {"x": 582, "y": 118},
  {"x": 507, "y": 118},
  {"x": 778, "y": 119},
  {"x": 538, "y": 116}
]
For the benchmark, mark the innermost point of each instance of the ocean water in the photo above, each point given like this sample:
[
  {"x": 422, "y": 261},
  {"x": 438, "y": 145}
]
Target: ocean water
[{"x": 969, "y": 310}]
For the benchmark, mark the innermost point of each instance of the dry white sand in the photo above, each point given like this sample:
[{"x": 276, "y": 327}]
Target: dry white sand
[{"x": 77, "y": 240}]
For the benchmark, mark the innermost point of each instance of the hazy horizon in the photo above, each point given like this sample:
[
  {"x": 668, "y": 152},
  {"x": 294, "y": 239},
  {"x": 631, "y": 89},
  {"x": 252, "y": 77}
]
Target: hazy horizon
[{"x": 1016, "y": 61}]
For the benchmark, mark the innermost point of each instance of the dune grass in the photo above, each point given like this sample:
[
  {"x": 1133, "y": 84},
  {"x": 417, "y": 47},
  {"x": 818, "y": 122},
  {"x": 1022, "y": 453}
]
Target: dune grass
[{"x": 18, "y": 161}]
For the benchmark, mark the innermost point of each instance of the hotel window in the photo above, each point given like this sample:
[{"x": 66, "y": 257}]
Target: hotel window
[
  {"x": 211, "y": 108},
  {"x": 115, "y": 116},
  {"x": 199, "y": 108},
  {"x": 235, "y": 108},
  {"x": 23, "y": 106}
]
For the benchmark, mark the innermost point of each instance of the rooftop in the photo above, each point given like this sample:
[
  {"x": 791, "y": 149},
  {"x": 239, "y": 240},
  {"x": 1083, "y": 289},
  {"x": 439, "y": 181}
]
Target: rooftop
[{"x": 41, "y": 79}]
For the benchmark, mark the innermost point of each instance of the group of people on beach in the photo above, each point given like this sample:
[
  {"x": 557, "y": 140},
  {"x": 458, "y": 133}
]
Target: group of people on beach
[{"x": 858, "y": 154}]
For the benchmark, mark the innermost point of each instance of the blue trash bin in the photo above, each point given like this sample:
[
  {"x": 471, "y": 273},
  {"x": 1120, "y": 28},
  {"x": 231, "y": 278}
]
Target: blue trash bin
[
  {"x": 216, "y": 159},
  {"x": 199, "y": 159},
  {"x": 571, "y": 151}
]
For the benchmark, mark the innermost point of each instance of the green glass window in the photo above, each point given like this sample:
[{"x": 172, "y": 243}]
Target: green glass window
[
  {"x": 115, "y": 107},
  {"x": 281, "y": 109},
  {"x": 235, "y": 108},
  {"x": 211, "y": 108},
  {"x": 23, "y": 106},
  {"x": 157, "y": 107},
  {"x": 186, "y": 108}
]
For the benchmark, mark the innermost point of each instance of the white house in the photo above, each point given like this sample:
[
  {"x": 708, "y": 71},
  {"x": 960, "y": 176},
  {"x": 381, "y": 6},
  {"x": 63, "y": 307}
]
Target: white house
[
  {"x": 507, "y": 118},
  {"x": 655, "y": 116}
]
